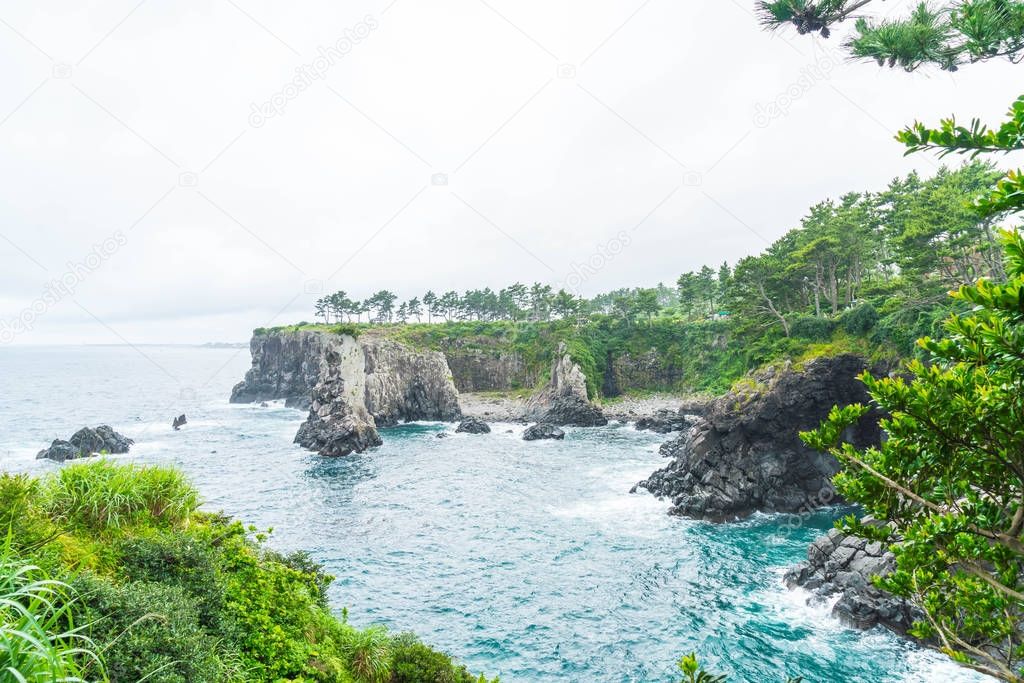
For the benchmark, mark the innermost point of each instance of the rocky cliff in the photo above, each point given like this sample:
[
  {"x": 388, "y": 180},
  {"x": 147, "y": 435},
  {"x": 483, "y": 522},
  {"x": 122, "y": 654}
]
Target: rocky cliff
[
  {"x": 744, "y": 454},
  {"x": 351, "y": 386},
  {"x": 564, "y": 400},
  {"x": 285, "y": 365},
  {"x": 475, "y": 369}
]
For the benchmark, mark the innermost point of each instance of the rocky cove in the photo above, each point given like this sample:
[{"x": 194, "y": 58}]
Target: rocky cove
[{"x": 729, "y": 456}]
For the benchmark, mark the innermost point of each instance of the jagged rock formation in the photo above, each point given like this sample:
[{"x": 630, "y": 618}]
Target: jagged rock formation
[
  {"x": 86, "y": 442},
  {"x": 564, "y": 400},
  {"x": 354, "y": 385},
  {"x": 745, "y": 454},
  {"x": 473, "y": 425},
  {"x": 840, "y": 564},
  {"x": 543, "y": 431}
]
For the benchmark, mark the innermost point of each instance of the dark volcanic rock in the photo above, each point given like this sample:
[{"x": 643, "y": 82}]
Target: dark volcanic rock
[
  {"x": 336, "y": 437},
  {"x": 839, "y": 564},
  {"x": 663, "y": 421},
  {"x": 85, "y": 442},
  {"x": 745, "y": 454},
  {"x": 542, "y": 431},
  {"x": 473, "y": 425},
  {"x": 564, "y": 400}
]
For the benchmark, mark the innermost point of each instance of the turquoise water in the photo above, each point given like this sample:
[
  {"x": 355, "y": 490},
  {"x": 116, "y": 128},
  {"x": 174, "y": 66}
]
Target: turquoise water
[{"x": 528, "y": 560}]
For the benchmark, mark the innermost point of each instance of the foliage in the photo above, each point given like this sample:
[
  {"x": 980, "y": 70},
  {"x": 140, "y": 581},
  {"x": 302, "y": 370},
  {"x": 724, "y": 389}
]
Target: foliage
[
  {"x": 859, "y": 320},
  {"x": 959, "y": 33},
  {"x": 39, "y": 642},
  {"x": 103, "y": 495},
  {"x": 168, "y": 594},
  {"x": 949, "y": 476}
]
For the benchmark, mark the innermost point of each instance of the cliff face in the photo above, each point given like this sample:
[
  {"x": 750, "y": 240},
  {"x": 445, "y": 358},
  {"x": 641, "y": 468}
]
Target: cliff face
[
  {"x": 284, "y": 365},
  {"x": 488, "y": 370},
  {"x": 403, "y": 385},
  {"x": 745, "y": 454},
  {"x": 351, "y": 386}
]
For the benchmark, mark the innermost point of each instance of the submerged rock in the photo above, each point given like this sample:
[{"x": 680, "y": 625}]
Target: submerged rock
[
  {"x": 86, "y": 442},
  {"x": 745, "y": 453},
  {"x": 843, "y": 565},
  {"x": 542, "y": 431},
  {"x": 473, "y": 425},
  {"x": 564, "y": 400}
]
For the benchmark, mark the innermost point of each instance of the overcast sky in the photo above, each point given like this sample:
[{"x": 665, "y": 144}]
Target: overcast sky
[{"x": 191, "y": 170}]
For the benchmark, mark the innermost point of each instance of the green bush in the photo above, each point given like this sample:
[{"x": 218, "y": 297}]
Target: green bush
[
  {"x": 414, "y": 662},
  {"x": 152, "y": 631},
  {"x": 811, "y": 327},
  {"x": 102, "y": 495},
  {"x": 859, "y": 321}
]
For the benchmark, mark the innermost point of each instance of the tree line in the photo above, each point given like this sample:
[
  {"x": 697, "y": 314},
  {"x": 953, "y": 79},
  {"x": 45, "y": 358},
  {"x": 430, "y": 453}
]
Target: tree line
[{"x": 516, "y": 302}]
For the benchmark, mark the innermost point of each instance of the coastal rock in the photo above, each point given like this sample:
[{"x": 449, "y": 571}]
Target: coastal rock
[
  {"x": 350, "y": 386},
  {"x": 663, "y": 421},
  {"x": 284, "y": 365},
  {"x": 473, "y": 425},
  {"x": 564, "y": 400},
  {"x": 86, "y": 442},
  {"x": 339, "y": 423},
  {"x": 843, "y": 565},
  {"x": 543, "y": 431},
  {"x": 745, "y": 453},
  {"x": 403, "y": 384}
]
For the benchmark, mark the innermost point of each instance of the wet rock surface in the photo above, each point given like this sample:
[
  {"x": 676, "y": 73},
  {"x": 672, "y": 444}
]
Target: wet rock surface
[
  {"x": 542, "y": 431},
  {"x": 843, "y": 565},
  {"x": 473, "y": 425}
]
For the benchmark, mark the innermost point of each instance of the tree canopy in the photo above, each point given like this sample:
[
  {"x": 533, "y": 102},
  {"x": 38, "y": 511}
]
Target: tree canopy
[{"x": 948, "y": 36}]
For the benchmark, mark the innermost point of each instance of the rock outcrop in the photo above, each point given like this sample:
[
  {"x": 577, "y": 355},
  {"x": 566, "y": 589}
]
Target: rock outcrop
[
  {"x": 87, "y": 442},
  {"x": 403, "y": 385},
  {"x": 843, "y": 565},
  {"x": 284, "y": 365},
  {"x": 473, "y": 425},
  {"x": 564, "y": 400},
  {"x": 352, "y": 386},
  {"x": 543, "y": 431},
  {"x": 745, "y": 454}
]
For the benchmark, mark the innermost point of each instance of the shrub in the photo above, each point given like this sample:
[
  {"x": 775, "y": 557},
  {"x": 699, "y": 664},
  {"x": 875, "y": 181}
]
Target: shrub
[
  {"x": 152, "y": 631},
  {"x": 38, "y": 640},
  {"x": 99, "y": 495},
  {"x": 414, "y": 662},
  {"x": 368, "y": 653},
  {"x": 859, "y": 320},
  {"x": 811, "y": 327}
]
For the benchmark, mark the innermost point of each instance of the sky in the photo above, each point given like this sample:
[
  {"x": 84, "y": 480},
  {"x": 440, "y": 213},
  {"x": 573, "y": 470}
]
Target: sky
[{"x": 183, "y": 172}]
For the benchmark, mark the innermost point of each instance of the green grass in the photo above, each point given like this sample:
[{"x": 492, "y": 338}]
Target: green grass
[
  {"x": 101, "y": 495},
  {"x": 39, "y": 642}
]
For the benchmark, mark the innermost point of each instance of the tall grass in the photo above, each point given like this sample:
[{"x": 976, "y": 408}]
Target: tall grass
[
  {"x": 38, "y": 640},
  {"x": 103, "y": 495},
  {"x": 368, "y": 653}
]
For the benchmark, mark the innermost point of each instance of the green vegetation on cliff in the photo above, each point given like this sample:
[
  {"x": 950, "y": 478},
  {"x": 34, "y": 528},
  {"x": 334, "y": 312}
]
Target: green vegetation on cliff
[
  {"x": 867, "y": 273},
  {"x": 110, "y": 572}
]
